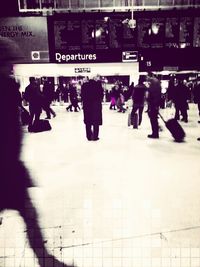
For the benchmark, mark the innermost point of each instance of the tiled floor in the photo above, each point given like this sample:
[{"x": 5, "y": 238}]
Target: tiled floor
[{"x": 123, "y": 201}]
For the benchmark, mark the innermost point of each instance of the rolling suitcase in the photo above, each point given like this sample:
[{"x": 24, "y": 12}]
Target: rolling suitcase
[
  {"x": 40, "y": 126},
  {"x": 175, "y": 129}
]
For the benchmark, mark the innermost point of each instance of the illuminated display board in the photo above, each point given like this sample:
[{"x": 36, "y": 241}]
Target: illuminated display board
[
  {"x": 90, "y": 37},
  {"x": 168, "y": 29}
]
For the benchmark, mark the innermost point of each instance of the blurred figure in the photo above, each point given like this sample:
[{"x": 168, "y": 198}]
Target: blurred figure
[
  {"x": 196, "y": 93},
  {"x": 14, "y": 177},
  {"x": 73, "y": 98},
  {"x": 153, "y": 99},
  {"x": 113, "y": 97},
  {"x": 138, "y": 96},
  {"x": 179, "y": 94},
  {"x": 92, "y": 97},
  {"x": 121, "y": 103},
  {"x": 34, "y": 97},
  {"x": 48, "y": 97}
]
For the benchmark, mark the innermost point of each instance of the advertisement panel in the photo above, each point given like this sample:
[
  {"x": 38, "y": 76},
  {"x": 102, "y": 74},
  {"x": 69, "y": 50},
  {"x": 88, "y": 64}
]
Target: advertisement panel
[{"x": 30, "y": 35}]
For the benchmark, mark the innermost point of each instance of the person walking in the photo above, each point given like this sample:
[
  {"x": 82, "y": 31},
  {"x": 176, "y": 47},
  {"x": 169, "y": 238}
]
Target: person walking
[
  {"x": 73, "y": 99},
  {"x": 138, "y": 96},
  {"x": 34, "y": 97},
  {"x": 153, "y": 98},
  {"x": 196, "y": 94},
  {"x": 179, "y": 94},
  {"x": 92, "y": 97},
  {"x": 14, "y": 176},
  {"x": 48, "y": 97}
]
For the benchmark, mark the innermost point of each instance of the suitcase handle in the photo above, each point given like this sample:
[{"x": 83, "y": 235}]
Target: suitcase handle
[{"x": 162, "y": 117}]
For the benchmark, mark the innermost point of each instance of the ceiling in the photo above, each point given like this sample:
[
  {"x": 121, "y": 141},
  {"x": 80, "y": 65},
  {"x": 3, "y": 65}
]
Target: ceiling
[{"x": 102, "y": 5}]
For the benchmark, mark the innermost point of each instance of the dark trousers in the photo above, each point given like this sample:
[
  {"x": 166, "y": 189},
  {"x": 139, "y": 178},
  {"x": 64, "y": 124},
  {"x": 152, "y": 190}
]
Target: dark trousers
[
  {"x": 198, "y": 104},
  {"x": 34, "y": 115},
  {"x": 92, "y": 131},
  {"x": 181, "y": 109},
  {"x": 153, "y": 115},
  {"x": 140, "y": 111}
]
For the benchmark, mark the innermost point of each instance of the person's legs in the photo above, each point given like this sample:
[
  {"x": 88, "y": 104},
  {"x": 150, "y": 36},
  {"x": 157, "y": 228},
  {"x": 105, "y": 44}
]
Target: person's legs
[
  {"x": 88, "y": 128},
  {"x": 37, "y": 115},
  {"x": 177, "y": 112},
  {"x": 198, "y": 104},
  {"x": 52, "y": 111},
  {"x": 35, "y": 237},
  {"x": 140, "y": 114},
  {"x": 153, "y": 115},
  {"x": 31, "y": 115},
  {"x": 184, "y": 115},
  {"x": 95, "y": 132}
]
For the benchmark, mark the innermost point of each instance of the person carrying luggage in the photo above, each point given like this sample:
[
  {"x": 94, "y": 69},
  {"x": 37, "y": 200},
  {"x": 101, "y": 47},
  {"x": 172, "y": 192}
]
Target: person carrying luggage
[{"x": 153, "y": 99}]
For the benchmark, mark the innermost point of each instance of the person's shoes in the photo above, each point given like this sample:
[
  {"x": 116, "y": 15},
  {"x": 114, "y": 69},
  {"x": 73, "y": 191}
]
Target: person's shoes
[
  {"x": 153, "y": 136},
  {"x": 198, "y": 139},
  {"x": 54, "y": 261},
  {"x": 47, "y": 118},
  {"x": 54, "y": 115},
  {"x": 198, "y": 121},
  {"x": 185, "y": 120},
  {"x": 96, "y": 139}
]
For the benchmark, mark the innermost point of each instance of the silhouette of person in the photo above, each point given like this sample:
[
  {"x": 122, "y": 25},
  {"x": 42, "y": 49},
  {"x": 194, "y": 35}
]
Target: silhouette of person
[
  {"x": 92, "y": 96},
  {"x": 48, "y": 94},
  {"x": 14, "y": 176},
  {"x": 179, "y": 94},
  {"x": 34, "y": 97},
  {"x": 138, "y": 96},
  {"x": 73, "y": 98},
  {"x": 197, "y": 95},
  {"x": 154, "y": 96}
]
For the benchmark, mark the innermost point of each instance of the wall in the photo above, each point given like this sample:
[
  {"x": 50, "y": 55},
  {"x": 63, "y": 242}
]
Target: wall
[{"x": 23, "y": 71}]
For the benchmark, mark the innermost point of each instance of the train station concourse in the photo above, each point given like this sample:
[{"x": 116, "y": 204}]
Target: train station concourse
[{"x": 126, "y": 195}]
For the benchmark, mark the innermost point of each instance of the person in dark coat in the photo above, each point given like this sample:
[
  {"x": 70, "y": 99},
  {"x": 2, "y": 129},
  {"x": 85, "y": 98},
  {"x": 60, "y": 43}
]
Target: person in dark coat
[
  {"x": 92, "y": 96},
  {"x": 14, "y": 176},
  {"x": 34, "y": 97},
  {"x": 196, "y": 94},
  {"x": 48, "y": 97},
  {"x": 73, "y": 99},
  {"x": 154, "y": 96},
  {"x": 179, "y": 94},
  {"x": 138, "y": 96},
  {"x": 113, "y": 97}
]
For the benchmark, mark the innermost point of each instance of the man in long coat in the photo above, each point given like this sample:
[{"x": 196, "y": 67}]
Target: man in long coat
[{"x": 92, "y": 95}]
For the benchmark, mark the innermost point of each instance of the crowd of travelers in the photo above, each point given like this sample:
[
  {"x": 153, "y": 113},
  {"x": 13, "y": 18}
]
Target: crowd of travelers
[{"x": 147, "y": 92}]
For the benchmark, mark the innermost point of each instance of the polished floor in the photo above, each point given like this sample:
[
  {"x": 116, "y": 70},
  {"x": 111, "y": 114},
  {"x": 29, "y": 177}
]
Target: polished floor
[{"x": 122, "y": 201}]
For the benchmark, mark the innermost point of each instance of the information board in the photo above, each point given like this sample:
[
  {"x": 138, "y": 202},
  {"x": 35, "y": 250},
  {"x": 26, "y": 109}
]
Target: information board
[
  {"x": 144, "y": 32},
  {"x": 196, "y": 35},
  {"x": 172, "y": 32},
  {"x": 90, "y": 37},
  {"x": 168, "y": 29},
  {"x": 157, "y": 32},
  {"x": 186, "y": 32}
]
